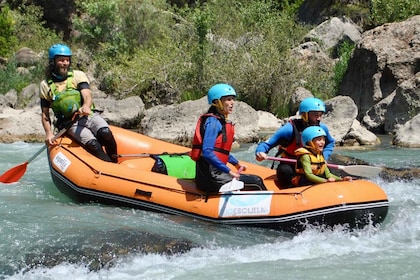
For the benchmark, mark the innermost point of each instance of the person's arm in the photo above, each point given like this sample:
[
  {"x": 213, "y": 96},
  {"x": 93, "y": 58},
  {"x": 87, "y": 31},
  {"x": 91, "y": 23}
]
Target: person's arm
[
  {"x": 211, "y": 130},
  {"x": 45, "y": 102},
  {"x": 46, "y": 122},
  {"x": 305, "y": 160},
  {"x": 87, "y": 101},
  {"x": 284, "y": 133},
  {"x": 330, "y": 176},
  {"x": 236, "y": 163},
  {"x": 82, "y": 84},
  {"x": 329, "y": 142}
]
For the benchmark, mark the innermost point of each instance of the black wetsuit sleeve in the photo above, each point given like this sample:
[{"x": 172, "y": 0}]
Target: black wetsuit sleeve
[
  {"x": 45, "y": 103},
  {"x": 83, "y": 85}
]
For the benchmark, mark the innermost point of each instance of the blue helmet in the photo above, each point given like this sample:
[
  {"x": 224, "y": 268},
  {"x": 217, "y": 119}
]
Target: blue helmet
[
  {"x": 312, "y": 132},
  {"x": 311, "y": 104},
  {"x": 58, "y": 49},
  {"x": 218, "y": 91}
]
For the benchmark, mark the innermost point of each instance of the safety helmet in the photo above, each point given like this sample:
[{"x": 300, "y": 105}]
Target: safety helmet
[
  {"x": 218, "y": 91},
  {"x": 311, "y": 104},
  {"x": 312, "y": 132},
  {"x": 58, "y": 49}
]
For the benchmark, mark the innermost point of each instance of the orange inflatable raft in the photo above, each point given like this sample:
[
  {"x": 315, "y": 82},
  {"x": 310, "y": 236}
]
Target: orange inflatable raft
[{"x": 131, "y": 183}]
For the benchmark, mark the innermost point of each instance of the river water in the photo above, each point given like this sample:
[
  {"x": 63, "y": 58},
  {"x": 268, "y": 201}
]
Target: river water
[{"x": 35, "y": 216}]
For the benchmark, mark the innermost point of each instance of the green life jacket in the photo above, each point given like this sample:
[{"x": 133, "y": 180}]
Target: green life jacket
[{"x": 66, "y": 102}]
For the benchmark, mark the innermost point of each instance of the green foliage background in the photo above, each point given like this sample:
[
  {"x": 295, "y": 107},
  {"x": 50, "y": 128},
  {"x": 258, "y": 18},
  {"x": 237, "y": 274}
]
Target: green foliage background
[{"x": 246, "y": 43}]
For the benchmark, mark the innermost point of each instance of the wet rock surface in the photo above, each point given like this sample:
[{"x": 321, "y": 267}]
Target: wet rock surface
[
  {"x": 104, "y": 249},
  {"x": 388, "y": 174}
]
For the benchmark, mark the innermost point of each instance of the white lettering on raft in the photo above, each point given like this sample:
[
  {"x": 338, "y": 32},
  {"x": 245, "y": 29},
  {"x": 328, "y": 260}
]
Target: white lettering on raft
[
  {"x": 250, "y": 211},
  {"x": 245, "y": 205},
  {"x": 61, "y": 162}
]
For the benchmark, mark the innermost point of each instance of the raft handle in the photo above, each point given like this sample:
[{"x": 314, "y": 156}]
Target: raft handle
[{"x": 143, "y": 193}]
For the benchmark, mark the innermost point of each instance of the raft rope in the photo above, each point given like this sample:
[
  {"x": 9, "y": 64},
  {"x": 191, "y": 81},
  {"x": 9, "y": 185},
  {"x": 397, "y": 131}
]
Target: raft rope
[{"x": 201, "y": 195}]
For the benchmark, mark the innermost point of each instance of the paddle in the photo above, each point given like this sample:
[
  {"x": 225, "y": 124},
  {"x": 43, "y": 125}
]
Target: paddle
[
  {"x": 148, "y": 155},
  {"x": 233, "y": 185},
  {"x": 14, "y": 174},
  {"x": 356, "y": 170},
  {"x": 133, "y": 155}
]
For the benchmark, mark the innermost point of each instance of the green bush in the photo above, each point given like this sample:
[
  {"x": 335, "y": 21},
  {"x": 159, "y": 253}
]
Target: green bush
[
  {"x": 384, "y": 11},
  {"x": 10, "y": 78},
  {"x": 30, "y": 31},
  {"x": 340, "y": 68},
  {"x": 245, "y": 43},
  {"x": 248, "y": 46},
  {"x": 25, "y": 29},
  {"x": 100, "y": 29},
  {"x": 8, "y": 39}
]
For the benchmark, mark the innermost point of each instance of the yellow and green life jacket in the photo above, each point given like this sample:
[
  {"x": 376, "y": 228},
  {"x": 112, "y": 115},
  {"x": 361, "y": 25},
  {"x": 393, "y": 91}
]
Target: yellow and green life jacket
[
  {"x": 317, "y": 162},
  {"x": 66, "y": 102}
]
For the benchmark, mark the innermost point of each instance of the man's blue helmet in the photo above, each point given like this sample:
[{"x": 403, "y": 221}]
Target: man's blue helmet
[
  {"x": 312, "y": 132},
  {"x": 218, "y": 91},
  {"x": 58, "y": 49},
  {"x": 311, "y": 104}
]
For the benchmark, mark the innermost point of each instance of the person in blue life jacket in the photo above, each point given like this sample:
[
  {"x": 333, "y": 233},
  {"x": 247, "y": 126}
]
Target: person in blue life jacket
[
  {"x": 212, "y": 144},
  {"x": 288, "y": 138},
  {"x": 67, "y": 92},
  {"x": 311, "y": 166}
]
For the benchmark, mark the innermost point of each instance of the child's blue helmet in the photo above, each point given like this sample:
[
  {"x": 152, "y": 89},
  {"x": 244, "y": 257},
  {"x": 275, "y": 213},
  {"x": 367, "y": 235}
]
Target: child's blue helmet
[{"x": 312, "y": 132}]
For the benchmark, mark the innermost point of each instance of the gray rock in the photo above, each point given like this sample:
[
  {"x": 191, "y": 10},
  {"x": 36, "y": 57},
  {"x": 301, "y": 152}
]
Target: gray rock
[
  {"x": 408, "y": 135},
  {"x": 334, "y": 31},
  {"x": 383, "y": 60},
  {"x": 361, "y": 135},
  {"x": 341, "y": 111},
  {"x": 102, "y": 249},
  {"x": 124, "y": 113},
  {"x": 176, "y": 123},
  {"x": 26, "y": 56}
]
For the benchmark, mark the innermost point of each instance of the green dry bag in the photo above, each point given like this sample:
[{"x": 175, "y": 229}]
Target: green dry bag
[{"x": 176, "y": 165}]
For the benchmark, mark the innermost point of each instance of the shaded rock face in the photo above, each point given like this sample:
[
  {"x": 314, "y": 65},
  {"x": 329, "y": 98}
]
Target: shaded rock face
[
  {"x": 58, "y": 15},
  {"x": 98, "y": 250},
  {"x": 381, "y": 76},
  {"x": 314, "y": 11}
]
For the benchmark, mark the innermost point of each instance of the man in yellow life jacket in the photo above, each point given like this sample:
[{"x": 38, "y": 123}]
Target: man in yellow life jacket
[
  {"x": 67, "y": 92},
  {"x": 311, "y": 166}
]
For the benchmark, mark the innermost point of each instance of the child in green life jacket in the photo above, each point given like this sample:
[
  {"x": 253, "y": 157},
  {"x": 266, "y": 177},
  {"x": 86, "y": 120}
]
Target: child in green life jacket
[{"x": 311, "y": 167}]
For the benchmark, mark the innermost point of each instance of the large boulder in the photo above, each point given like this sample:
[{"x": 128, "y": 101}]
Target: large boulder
[
  {"x": 341, "y": 111},
  {"x": 381, "y": 75},
  {"x": 405, "y": 104},
  {"x": 103, "y": 249},
  {"x": 124, "y": 113},
  {"x": 176, "y": 123},
  {"x": 408, "y": 135},
  {"x": 27, "y": 57},
  {"x": 21, "y": 125},
  {"x": 331, "y": 33},
  {"x": 359, "y": 135}
]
